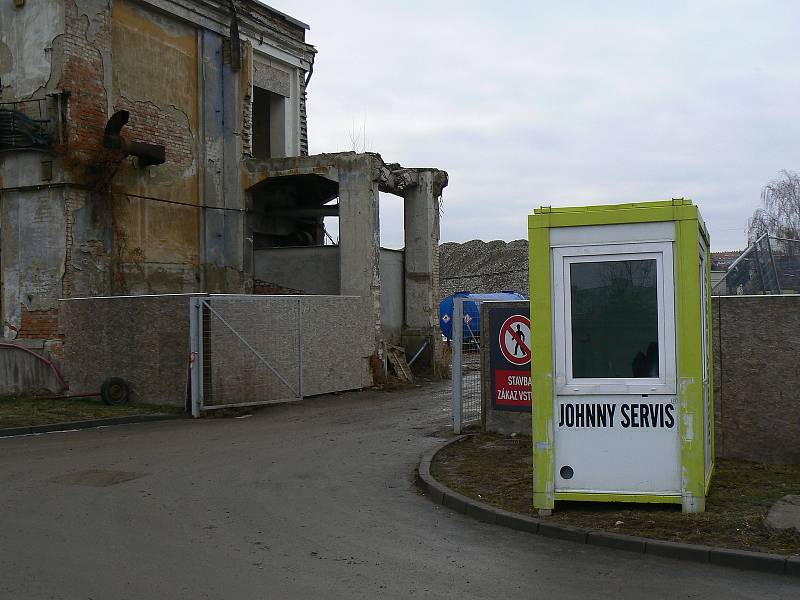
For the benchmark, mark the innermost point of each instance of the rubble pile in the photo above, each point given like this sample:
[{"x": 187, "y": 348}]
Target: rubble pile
[{"x": 482, "y": 267}]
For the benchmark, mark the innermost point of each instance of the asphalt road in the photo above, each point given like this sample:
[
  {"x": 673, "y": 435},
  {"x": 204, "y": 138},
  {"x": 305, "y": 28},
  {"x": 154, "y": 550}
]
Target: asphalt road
[{"x": 311, "y": 500}]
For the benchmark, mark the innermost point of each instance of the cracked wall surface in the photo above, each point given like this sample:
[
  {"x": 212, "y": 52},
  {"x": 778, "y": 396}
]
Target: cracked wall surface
[
  {"x": 25, "y": 63},
  {"x": 107, "y": 226}
]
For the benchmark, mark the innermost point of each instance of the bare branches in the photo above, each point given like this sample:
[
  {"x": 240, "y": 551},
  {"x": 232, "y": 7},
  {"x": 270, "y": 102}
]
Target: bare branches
[{"x": 780, "y": 214}]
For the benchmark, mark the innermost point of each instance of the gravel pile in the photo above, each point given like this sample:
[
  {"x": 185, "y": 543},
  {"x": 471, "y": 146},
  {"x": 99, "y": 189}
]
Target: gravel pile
[{"x": 482, "y": 267}]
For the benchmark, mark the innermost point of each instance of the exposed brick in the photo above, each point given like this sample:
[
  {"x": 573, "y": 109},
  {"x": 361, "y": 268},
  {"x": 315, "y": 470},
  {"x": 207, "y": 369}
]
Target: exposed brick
[{"x": 39, "y": 324}]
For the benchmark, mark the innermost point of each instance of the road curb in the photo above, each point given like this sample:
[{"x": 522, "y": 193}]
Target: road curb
[
  {"x": 88, "y": 424},
  {"x": 741, "y": 559}
]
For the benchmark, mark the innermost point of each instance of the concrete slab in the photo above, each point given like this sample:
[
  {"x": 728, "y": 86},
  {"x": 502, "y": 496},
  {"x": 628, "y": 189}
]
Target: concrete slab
[{"x": 785, "y": 513}]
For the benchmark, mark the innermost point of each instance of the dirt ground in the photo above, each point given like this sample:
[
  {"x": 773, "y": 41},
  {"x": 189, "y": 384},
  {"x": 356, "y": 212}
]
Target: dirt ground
[
  {"x": 498, "y": 470},
  {"x": 16, "y": 411}
]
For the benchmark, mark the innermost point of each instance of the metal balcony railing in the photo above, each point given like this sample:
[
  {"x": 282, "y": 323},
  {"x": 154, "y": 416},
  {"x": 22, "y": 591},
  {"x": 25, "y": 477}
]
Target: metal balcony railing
[{"x": 24, "y": 125}]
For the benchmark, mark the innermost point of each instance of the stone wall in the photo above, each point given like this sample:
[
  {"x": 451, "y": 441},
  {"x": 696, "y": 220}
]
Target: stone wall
[{"x": 757, "y": 377}]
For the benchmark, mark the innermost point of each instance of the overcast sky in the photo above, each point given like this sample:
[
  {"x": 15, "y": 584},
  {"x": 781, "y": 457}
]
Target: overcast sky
[{"x": 527, "y": 104}]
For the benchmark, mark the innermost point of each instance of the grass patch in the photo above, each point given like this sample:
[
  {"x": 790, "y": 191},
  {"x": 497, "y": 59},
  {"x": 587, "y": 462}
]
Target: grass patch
[
  {"x": 498, "y": 471},
  {"x": 21, "y": 411}
]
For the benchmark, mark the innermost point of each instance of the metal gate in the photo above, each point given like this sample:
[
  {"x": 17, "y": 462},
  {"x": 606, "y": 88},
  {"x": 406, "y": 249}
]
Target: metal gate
[
  {"x": 245, "y": 350},
  {"x": 466, "y": 347}
]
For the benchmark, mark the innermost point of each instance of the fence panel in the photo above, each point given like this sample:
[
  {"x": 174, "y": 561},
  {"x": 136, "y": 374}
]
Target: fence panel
[
  {"x": 259, "y": 349},
  {"x": 248, "y": 349},
  {"x": 466, "y": 346}
]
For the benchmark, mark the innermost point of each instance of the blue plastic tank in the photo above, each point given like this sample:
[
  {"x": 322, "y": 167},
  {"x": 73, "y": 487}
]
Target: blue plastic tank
[{"x": 472, "y": 311}]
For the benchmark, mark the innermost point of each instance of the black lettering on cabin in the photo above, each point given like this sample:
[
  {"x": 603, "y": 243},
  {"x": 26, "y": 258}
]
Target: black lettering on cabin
[{"x": 670, "y": 421}]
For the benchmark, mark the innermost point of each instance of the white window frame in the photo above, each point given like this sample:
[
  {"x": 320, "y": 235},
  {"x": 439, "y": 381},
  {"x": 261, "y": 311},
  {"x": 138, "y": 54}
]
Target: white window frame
[{"x": 563, "y": 257}]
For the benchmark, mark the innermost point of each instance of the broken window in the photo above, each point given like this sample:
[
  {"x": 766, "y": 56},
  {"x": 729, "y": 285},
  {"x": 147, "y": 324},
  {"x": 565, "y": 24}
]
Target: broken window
[{"x": 269, "y": 124}]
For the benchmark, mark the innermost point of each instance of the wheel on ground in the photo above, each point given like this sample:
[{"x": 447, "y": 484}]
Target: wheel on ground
[{"x": 115, "y": 391}]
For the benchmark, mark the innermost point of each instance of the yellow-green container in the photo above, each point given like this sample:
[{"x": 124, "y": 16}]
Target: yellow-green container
[{"x": 621, "y": 370}]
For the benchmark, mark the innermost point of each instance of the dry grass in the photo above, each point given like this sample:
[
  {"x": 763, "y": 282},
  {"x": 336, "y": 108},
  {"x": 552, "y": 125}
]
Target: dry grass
[
  {"x": 498, "y": 471},
  {"x": 18, "y": 411}
]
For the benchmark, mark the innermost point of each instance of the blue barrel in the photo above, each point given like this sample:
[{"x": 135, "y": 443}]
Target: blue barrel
[{"x": 472, "y": 311}]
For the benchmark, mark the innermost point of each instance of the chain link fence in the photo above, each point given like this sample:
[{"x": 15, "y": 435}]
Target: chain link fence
[{"x": 770, "y": 265}]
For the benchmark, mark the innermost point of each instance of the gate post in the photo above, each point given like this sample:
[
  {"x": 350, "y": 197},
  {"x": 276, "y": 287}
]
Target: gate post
[
  {"x": 196, "y": 354},
  {"x": 457, "y": 337},
  {"x": 300, "y": 339}
]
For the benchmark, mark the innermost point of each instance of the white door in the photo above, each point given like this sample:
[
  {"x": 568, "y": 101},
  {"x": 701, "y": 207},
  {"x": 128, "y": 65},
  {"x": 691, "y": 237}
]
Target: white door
[{"x": 616, "y": 409}]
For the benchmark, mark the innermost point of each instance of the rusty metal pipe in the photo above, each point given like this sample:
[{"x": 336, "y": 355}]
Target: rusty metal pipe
[{"x": 148, "y": 154}]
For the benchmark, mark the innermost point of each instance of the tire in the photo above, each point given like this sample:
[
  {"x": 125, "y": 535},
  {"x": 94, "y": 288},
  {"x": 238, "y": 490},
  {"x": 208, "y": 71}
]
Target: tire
[{"x": 115, "y": 391}]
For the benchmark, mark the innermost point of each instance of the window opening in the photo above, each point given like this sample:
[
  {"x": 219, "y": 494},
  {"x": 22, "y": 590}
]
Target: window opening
[
  {"x": 268, "y": 123},
  {"x": 614, "y": 312}
]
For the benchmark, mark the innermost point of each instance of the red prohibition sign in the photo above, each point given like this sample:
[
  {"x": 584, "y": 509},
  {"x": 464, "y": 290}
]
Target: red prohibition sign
[{"x": 515, "y": 340}]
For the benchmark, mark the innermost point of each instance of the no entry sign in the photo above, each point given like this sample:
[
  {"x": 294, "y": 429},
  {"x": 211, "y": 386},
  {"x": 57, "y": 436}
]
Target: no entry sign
[
  {"x": 510, "y": 358},
  {"x": 515, "y": 340}
]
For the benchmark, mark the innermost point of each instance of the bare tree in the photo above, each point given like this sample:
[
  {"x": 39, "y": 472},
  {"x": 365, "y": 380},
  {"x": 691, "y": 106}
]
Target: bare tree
[
  {"x": 780, "y": 213},
  {"x": 358, "y": 138}
]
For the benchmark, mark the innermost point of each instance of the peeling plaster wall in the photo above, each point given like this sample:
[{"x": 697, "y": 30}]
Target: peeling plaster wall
[
  {"x": 32, "y": 230},
  {"x": 97, "y": 224},
  {"x": 26, "y": 46},
  {"x": 32, "y": 265},
  {"x": 155, "y": 78}
]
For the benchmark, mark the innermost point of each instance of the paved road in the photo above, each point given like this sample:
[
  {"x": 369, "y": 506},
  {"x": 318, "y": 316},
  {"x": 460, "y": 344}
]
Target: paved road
[{"x": 313, "y": 500}]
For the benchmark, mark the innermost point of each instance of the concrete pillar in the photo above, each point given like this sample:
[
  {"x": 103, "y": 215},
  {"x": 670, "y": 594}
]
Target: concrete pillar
[
  {"x": 421, "y": 218},
  {"x": 359, "y": 233}
]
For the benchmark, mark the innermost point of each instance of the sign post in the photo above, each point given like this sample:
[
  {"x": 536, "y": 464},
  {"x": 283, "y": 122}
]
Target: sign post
[
  {"x": 510, "y": 332},
  {"x": 506, "y": 367}
]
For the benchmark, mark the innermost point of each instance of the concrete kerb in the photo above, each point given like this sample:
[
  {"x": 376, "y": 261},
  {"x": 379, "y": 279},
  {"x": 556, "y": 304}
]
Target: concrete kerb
[
  {"x": 88, "y": 424},
  {"x": 742, "y": 559}
]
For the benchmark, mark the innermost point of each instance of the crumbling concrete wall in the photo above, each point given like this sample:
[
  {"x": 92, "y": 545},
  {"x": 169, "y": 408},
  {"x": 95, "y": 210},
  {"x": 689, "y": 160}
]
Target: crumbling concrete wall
[
  {"x": 26, "y": 50},
  {"x": 319, "y": 273},
  {"x": 360, "y": 178},
  {"x": 111, "y": 226}
]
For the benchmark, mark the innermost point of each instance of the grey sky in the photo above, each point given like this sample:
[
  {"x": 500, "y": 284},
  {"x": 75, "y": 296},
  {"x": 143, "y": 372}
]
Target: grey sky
[{"x": 542, "y": 103}]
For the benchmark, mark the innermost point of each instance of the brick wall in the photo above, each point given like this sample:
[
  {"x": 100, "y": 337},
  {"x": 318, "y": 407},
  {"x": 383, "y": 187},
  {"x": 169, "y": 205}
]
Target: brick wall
[
  {"x": 82, "y": 78},
  {"x": 154, "y": 126},
  {"x": 39, "y": 324},
  {"x": 303, "y": 119}
]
